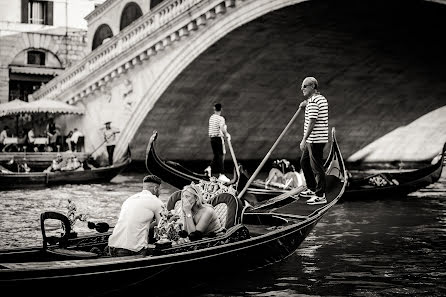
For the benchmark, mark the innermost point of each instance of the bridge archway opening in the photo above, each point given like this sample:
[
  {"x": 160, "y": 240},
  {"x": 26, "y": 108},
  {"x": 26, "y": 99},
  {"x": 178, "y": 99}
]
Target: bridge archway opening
[
  {"x": 102, "y": 33},
  {"x": 130, "y": 13}
]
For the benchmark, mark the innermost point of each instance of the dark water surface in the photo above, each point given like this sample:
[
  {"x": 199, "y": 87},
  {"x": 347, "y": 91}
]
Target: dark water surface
[{"x": 384, "y": 247}]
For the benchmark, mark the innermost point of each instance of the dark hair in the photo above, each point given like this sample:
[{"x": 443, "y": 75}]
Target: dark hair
[
  {"x": 6, "y": 127},
  {"x": 152, "y": 179},
  {"x": 217, "y": 107}
]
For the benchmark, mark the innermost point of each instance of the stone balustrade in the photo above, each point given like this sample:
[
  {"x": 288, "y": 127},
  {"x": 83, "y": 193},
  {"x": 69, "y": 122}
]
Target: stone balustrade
[{"x": 137, "y": 42}]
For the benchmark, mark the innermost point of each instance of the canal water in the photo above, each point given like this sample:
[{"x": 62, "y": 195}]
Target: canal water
[{"x": 384, "y": 247}]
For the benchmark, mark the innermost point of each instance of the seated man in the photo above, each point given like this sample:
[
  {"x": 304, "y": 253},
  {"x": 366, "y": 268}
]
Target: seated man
[
  {"x": 139, "y": 213},
  {"x": 57, "y": 164},
  {"x": 200, "y": 219}
]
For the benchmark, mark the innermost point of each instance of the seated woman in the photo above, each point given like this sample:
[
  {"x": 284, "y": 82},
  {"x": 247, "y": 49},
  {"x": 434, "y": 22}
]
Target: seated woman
[
  {"x": 57, "y": 164},
  {"x": 72, "y": 164},
  {"x": 200, "y": 219}
]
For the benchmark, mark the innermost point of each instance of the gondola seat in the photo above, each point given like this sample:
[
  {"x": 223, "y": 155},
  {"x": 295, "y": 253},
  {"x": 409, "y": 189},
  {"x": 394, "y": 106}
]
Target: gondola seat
[
  {"x": 174, "y": 202},
  {"x": 228, "y": 209}
]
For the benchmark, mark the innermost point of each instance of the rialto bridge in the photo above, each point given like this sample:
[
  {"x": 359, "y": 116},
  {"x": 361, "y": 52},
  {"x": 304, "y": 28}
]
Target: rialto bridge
[{"x": 381, "y": 64}]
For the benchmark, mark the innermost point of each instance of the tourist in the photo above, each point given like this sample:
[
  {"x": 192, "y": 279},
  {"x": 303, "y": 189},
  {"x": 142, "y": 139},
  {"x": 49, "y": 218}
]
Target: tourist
[
  {"x": 3, "y": 136},
  {"x": 314, "y": 139},
  {"x": 139, "y": 213},
  {"x": 57, "y": 164},
  {"x": 68, "y": 140},
  {"x": 200, "y": 219},
  {"x": 72, "y": 164},
  {"x": 52, "y": 131},
  {"x": 75, "y": 144},
  {"x": 31, "y": 139},
  {"x": 218, "y": 129}
]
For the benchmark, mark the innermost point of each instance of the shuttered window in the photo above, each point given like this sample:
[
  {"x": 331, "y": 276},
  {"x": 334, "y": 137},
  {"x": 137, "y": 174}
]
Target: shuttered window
[{"x": 38, "y": 12}]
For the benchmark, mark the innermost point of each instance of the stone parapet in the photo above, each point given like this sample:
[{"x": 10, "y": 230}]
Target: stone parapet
[{"x": 138, "y": 42}]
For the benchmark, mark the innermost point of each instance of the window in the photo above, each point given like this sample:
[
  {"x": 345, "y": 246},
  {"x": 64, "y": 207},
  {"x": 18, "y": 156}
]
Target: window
[
  {"x": 36, "y": 12},
  {"x": 36, "y": 58}
]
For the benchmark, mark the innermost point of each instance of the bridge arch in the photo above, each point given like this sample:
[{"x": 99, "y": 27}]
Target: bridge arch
[{"x": 190, "y": 50}]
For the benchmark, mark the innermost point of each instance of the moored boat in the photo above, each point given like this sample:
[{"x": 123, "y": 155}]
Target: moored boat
[
  {"x": 382, "y": 183},
  {"x": 19, "y": 180}
]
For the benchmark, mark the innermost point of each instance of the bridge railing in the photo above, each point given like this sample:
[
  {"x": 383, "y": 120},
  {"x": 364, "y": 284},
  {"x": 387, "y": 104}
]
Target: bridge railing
[{"x": 145, "y": 28}]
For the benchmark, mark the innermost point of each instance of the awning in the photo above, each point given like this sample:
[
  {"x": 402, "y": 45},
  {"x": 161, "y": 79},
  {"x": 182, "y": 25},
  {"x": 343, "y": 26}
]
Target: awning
[
  {"x": 11, "y": 107},
  {"x": 35, "y": 70},
  {"x": 40, "y": 106}
]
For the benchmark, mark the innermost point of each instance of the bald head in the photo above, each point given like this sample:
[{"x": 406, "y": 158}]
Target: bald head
[
  {"x": 310, "y": 81},
  {"x": 309, "y": 86}
]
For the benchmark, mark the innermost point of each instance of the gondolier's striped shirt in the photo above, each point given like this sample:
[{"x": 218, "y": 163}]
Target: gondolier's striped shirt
[
  {"x": 317, "y": 108},
  {"x": 215, "y": 123}
]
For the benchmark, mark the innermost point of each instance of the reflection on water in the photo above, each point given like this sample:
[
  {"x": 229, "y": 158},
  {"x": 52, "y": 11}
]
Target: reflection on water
[{"x": 386, "y": 247}]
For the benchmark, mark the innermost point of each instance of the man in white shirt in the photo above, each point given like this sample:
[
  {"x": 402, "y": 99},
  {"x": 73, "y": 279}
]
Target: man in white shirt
[
  {"x": 139, "y": 213},
  {"x": 110, "y": 140},
  {"x": 74, "y": 140}
]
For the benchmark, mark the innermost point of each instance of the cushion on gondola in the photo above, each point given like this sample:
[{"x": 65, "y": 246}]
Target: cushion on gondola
[
  {"x": 228, "y": 209},
  {"x": 174, "y": 202}
]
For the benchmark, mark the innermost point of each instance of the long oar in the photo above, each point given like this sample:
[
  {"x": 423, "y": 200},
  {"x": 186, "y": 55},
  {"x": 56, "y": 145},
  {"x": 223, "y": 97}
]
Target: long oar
[
  {"x": 268, "y": 154},
  {"x": 233, "y": 158},
  {"x": 90, "y": 154}
]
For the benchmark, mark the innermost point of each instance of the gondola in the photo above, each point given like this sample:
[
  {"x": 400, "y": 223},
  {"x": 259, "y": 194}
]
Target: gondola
[
  {"x": 179, "y": 176},
  {"x": 384, "y": 184},
  {"x": 258, "y": 236},
  {"x": 20, "y": 180}
]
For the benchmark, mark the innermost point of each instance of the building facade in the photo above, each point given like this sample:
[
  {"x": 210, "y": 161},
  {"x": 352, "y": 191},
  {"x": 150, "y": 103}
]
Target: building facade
[{"x": 38, "y": 39}]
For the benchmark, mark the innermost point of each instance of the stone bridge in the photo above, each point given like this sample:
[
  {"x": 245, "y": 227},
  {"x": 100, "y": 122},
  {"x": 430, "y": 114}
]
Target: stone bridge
[{"x": 382, "y": 71}]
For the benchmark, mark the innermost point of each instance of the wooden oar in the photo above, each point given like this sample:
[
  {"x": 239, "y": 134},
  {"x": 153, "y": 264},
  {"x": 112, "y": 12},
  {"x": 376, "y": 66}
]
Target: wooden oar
[
  {"x": 233, "y": 158},
  {"x": 89, "y": 155},
  {"x": 268, "y": 154},
  {"x": 279, "y": 198}
]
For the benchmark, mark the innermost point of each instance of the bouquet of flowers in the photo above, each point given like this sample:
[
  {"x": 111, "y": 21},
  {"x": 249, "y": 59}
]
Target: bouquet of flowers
[{"x": 170, "y": 228}]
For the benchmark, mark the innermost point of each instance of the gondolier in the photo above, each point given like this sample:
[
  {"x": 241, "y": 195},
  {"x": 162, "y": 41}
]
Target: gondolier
[
  {"x": 313, "y": 141},
  {"x": 110, "y": 140},
  {"x": 218, "y": 129}
]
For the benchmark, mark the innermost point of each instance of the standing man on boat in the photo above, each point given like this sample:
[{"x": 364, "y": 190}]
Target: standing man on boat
[
  {"x": 110, "y": 140},
  {"x": 139, "y": 213},
  {"x": 314, "y": 139},
  {"x": 218, "y": 129}
]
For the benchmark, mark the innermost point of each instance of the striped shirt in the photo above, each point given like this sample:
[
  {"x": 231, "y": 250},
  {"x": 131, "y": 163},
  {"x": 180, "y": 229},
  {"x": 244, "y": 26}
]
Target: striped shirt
[
  {"x": 216, "y": 123},
  {"x": 317, "y": 108}
]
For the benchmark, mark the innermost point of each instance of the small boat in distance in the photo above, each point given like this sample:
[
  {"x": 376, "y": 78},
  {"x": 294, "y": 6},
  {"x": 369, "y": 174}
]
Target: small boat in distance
[
  {"x": 382, "y": 184},
  {"x": 19, "y": 180}
]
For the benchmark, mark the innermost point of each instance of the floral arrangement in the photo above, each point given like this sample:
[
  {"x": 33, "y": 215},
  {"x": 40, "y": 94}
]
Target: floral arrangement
[
  {"x": 71, "y": 214},
  {"x": 170, "y": 228}
]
